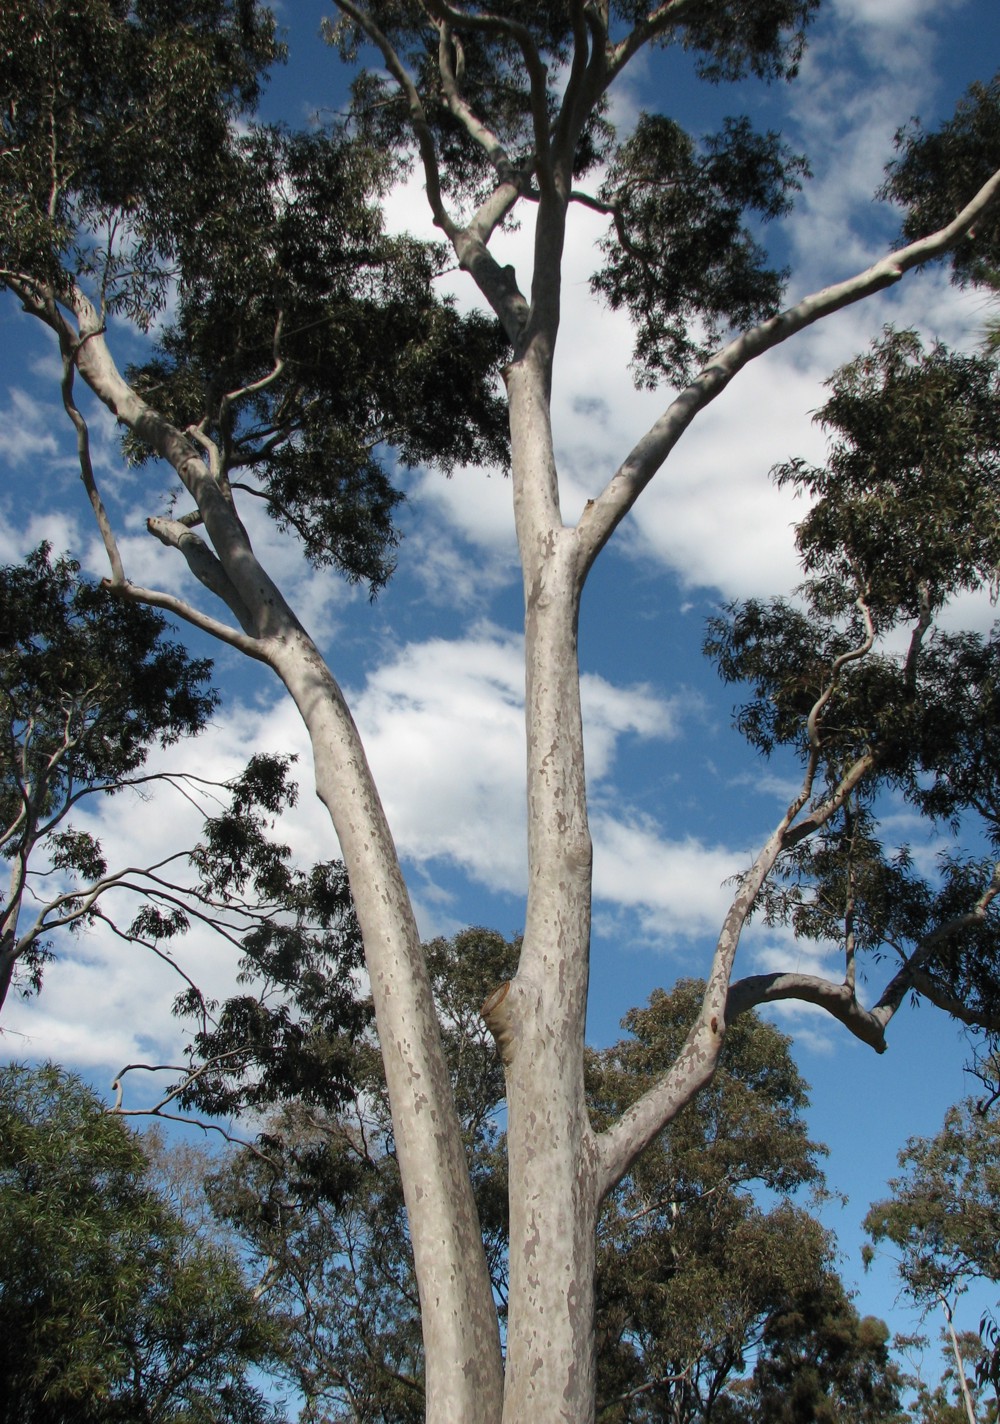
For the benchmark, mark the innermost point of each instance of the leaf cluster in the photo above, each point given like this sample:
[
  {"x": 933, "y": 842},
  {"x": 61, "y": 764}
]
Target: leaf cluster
[
  {"x": 681, "y": 259},
  {"x": 935, "y": 174},
  {"x": 89, "y": 674},
  {"x": 114, "y": 117},
  {"x": 309, "y": 346},
  {"x": 943, "y": 1216},
  {"x": 907, "y": 507},
  {"x": 826, "y": 1364}
]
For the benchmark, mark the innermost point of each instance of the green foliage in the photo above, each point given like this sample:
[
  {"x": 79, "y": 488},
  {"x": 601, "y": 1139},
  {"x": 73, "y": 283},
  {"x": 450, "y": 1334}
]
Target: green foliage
[
  {"x": 310, "y": 347},
  {"x": 859, "y": 685},
  {"x": 825, "y": 1364},
  {"x": 307, "y": 344},
  {"x": 698, "y": 1282},
  {"x": 681, "y": 259},
  {"x": 295, "y": 1036},
  {"x": 943, "y": 1217},
  {"x": 114, "y": 123},
  {"x": 908, "y": 505},
  {"x": 937, "y": 173},
  {"x": 79, "y": 666},
  {"x": 109, "y": 1309}
]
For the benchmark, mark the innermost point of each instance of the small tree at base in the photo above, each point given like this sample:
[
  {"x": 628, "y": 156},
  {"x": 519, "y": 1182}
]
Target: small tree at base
[{"x": 109, "y": 1311}]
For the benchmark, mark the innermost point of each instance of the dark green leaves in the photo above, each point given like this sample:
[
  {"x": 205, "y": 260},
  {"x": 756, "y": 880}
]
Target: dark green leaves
[
  {"x": 731, "y": 40},
  {"x": 937, "y": 173},
  {"x": 115, "y": 120},
  {"x": 310, "y": 346},
  {"x": 89, "y": 684},
  {"x": 110, "y": 1311},
  {"x": 908, "y": 504},
  {"x": 682, "y": 260}
]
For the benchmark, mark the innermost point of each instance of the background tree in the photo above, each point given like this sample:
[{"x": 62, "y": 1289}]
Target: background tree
[
  {"x": 504, "y": 115},
  {"x": 698, "y": 1280},
  {"x": 90, "y": 687},
  {"x": 943, "y": 1219},
  {"x": 823, "y": 1362},
  {"x": 959, "y": 1396},
  {"x": 110, "y": 1309}
]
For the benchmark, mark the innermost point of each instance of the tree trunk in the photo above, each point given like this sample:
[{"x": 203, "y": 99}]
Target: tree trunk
[
  {"x": 461, "y": 1334},
  {"x": 458, "y": 1315},
  {"x": 552, "y": 1152}
]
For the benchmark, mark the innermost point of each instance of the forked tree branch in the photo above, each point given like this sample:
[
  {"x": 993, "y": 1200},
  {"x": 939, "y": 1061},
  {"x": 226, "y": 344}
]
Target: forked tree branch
[
  {"x": 205, "y": 566},
  {"x": 533, "y": 63},
  {"x": 158, "y": 1109}
]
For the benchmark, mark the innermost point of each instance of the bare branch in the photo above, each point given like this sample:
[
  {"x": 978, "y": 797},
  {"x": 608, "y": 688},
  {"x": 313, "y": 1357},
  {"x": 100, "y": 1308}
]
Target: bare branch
[
  {"x": 418, "y": 117},
  {"x": 87, "y": 468},
  {"x": 837, "y": 999},
  {"x": 603, "y": 515},
  {"x": 157, "y": 1110}
]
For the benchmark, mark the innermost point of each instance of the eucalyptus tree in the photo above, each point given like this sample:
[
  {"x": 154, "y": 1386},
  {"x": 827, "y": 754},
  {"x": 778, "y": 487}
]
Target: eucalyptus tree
[
  {"x": 124, "y": 166},
  {"x": 111, "y": 1309},
  {"x": 711, "y": 1279},
  {"x": 943, "y": 1220}
]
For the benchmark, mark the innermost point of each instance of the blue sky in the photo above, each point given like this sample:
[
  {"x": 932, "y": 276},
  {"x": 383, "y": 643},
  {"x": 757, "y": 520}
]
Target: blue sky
[{"x": 433, "y": 668}]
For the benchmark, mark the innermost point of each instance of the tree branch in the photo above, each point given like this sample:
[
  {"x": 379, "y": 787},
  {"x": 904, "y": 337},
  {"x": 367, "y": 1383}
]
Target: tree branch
[
  {"x": 837, "y": 999},
  {"x": 418, "y": 116},
  {"x": 659, "y": 19},
  {"x": 533, "y": 63},
  {"x": 474, "y": 126},
  {"x": 603, "y": 514},
  {"x": 87, "y": 468},
  {"x": 206, "y": 568}
]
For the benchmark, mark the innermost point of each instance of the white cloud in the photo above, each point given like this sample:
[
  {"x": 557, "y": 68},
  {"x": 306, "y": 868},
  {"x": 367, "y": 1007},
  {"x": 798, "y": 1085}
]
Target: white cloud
[
  {"x": 677, "y": 887},
  {"x": 25, "y": 428},
  {"x": 894, "y": 16}
]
